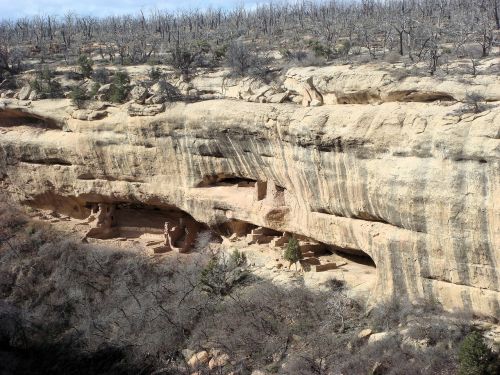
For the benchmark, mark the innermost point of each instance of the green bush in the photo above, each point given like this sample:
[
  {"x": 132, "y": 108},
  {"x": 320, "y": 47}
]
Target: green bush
[
  {"x": 78, "y": 96},
  {"x": 238, "y": 258},
  {"x": 120, "y": 87},
  {"x": 220, "y": 53},
  {"x": 475, "y": 358},
  {"x": 292, "y": 251},
  {"x": 154, "y": 74},
  {"x": 44, "y": 74},
  {"x": 44, "y": 85},
  {"x": 85, "y": 64},
  {"x": 343, "y": 47},
  {"x": 183, "y": 59},
  {"x": 101, "y": 75},
  {"x": 95, "y": 87},
  {"x": 320, "y": 50}
]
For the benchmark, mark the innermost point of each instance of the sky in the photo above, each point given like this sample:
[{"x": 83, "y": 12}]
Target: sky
[{"x": 13, "y": 9}]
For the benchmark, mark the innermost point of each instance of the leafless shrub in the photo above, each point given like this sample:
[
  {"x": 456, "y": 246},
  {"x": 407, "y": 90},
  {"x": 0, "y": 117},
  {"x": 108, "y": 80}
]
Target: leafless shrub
[
  {"x": 270, "y": 315},
  {"x": 390, "y": 314},
  {"x": 420, "y": 30},
  {"x": 243, "y": 61},
  {"x": 12, "y": 330},
  {"x": 307, "y": 59},
  {"x": 203, "y": 240},
  {"x": 473, "y": 103},
  {"x": 438, "y": 331},
  {"x": 221, "y": 274},
  {"x": 399, "y": 74},
  {"x": 393, "y": 57},
  {"x": 11, "y": 57},
  {"x": 82, "y": 308}
]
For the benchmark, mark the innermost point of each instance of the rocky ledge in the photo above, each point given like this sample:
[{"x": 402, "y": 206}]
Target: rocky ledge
[{"x": 414, "y": 186}]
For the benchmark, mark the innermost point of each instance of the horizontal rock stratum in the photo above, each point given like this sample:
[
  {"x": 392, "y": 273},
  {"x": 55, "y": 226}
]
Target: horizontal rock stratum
[{"x": 416, "y": 186}]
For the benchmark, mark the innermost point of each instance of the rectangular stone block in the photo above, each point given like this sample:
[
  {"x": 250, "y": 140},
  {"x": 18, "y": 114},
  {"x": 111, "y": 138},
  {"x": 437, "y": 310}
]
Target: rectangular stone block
[{"x": 325, "y": 267}]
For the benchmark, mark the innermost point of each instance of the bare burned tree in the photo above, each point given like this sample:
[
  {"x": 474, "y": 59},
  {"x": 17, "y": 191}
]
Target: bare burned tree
[
  {"x": 10, "y": 60},
  {"x": 415, "y": 29},
  {"x": 243, "y": 61}
]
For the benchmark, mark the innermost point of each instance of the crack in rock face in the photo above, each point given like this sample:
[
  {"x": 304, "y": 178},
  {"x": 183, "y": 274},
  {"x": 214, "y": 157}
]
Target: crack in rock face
[{"x": 363, "y": 180}]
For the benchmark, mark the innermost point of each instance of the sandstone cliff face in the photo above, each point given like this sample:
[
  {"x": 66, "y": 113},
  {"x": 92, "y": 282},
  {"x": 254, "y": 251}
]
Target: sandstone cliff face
[{"x": 413, "y": 185}]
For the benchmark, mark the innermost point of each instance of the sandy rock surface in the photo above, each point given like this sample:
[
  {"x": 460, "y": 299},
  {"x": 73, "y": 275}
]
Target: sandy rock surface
[{"x": 414, "y": 186}]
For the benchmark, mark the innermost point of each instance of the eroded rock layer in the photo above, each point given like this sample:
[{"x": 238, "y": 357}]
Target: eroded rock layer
[{"x": 416, "y": 186}]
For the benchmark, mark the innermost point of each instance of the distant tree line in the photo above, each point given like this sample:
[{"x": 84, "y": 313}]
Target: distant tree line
[{"x": 417, "y": 29}]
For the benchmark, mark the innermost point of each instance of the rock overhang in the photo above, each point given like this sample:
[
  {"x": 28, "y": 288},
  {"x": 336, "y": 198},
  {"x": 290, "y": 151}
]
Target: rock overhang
[{"x": 410, "y": 184}]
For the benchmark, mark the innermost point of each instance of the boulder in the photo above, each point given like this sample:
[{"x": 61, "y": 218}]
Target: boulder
[
  {"x": 25, "y": 92},
  {"x": 278, "y": 98},
  {"x": 104, "y": 92},
  {"x": 145, "y": 110},
  {"x": 105, "y": 89},
  {"x": 184, "y": 87},
  {"x": 259, "y": 93},
  {"x": 311, "y": 96},
  {"x": 218, "y": 361},
  {"x": 155, "y": 99},
  {"x": 138, "y": 94},
  {"x": 365, "y": 333},
  {"x": 198, "y": 359},
  {"x": 415, "y": 344},
  {"x": 245, "y": 88},
  {"x": 163, "y": 91},
  {"x": 377, "y": 337},
  {"x": 9, "y": 94},
  {"x": 34, "y": 95},
  {"x": 157, "y": 87}
]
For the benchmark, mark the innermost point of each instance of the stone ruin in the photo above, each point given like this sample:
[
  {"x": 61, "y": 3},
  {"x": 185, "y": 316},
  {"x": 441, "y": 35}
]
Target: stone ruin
[
  {"x": 311, "y": 251},
  {"x": 180, "y": 236},
  {"x": 180, "y": 233},
  {"x": 103, "y": 220}
]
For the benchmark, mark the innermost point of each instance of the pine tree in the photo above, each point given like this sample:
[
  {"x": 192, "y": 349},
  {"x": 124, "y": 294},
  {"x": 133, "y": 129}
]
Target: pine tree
[
  {"x": 292, "y": 251},
  {"x": 476, "y": 358}
]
